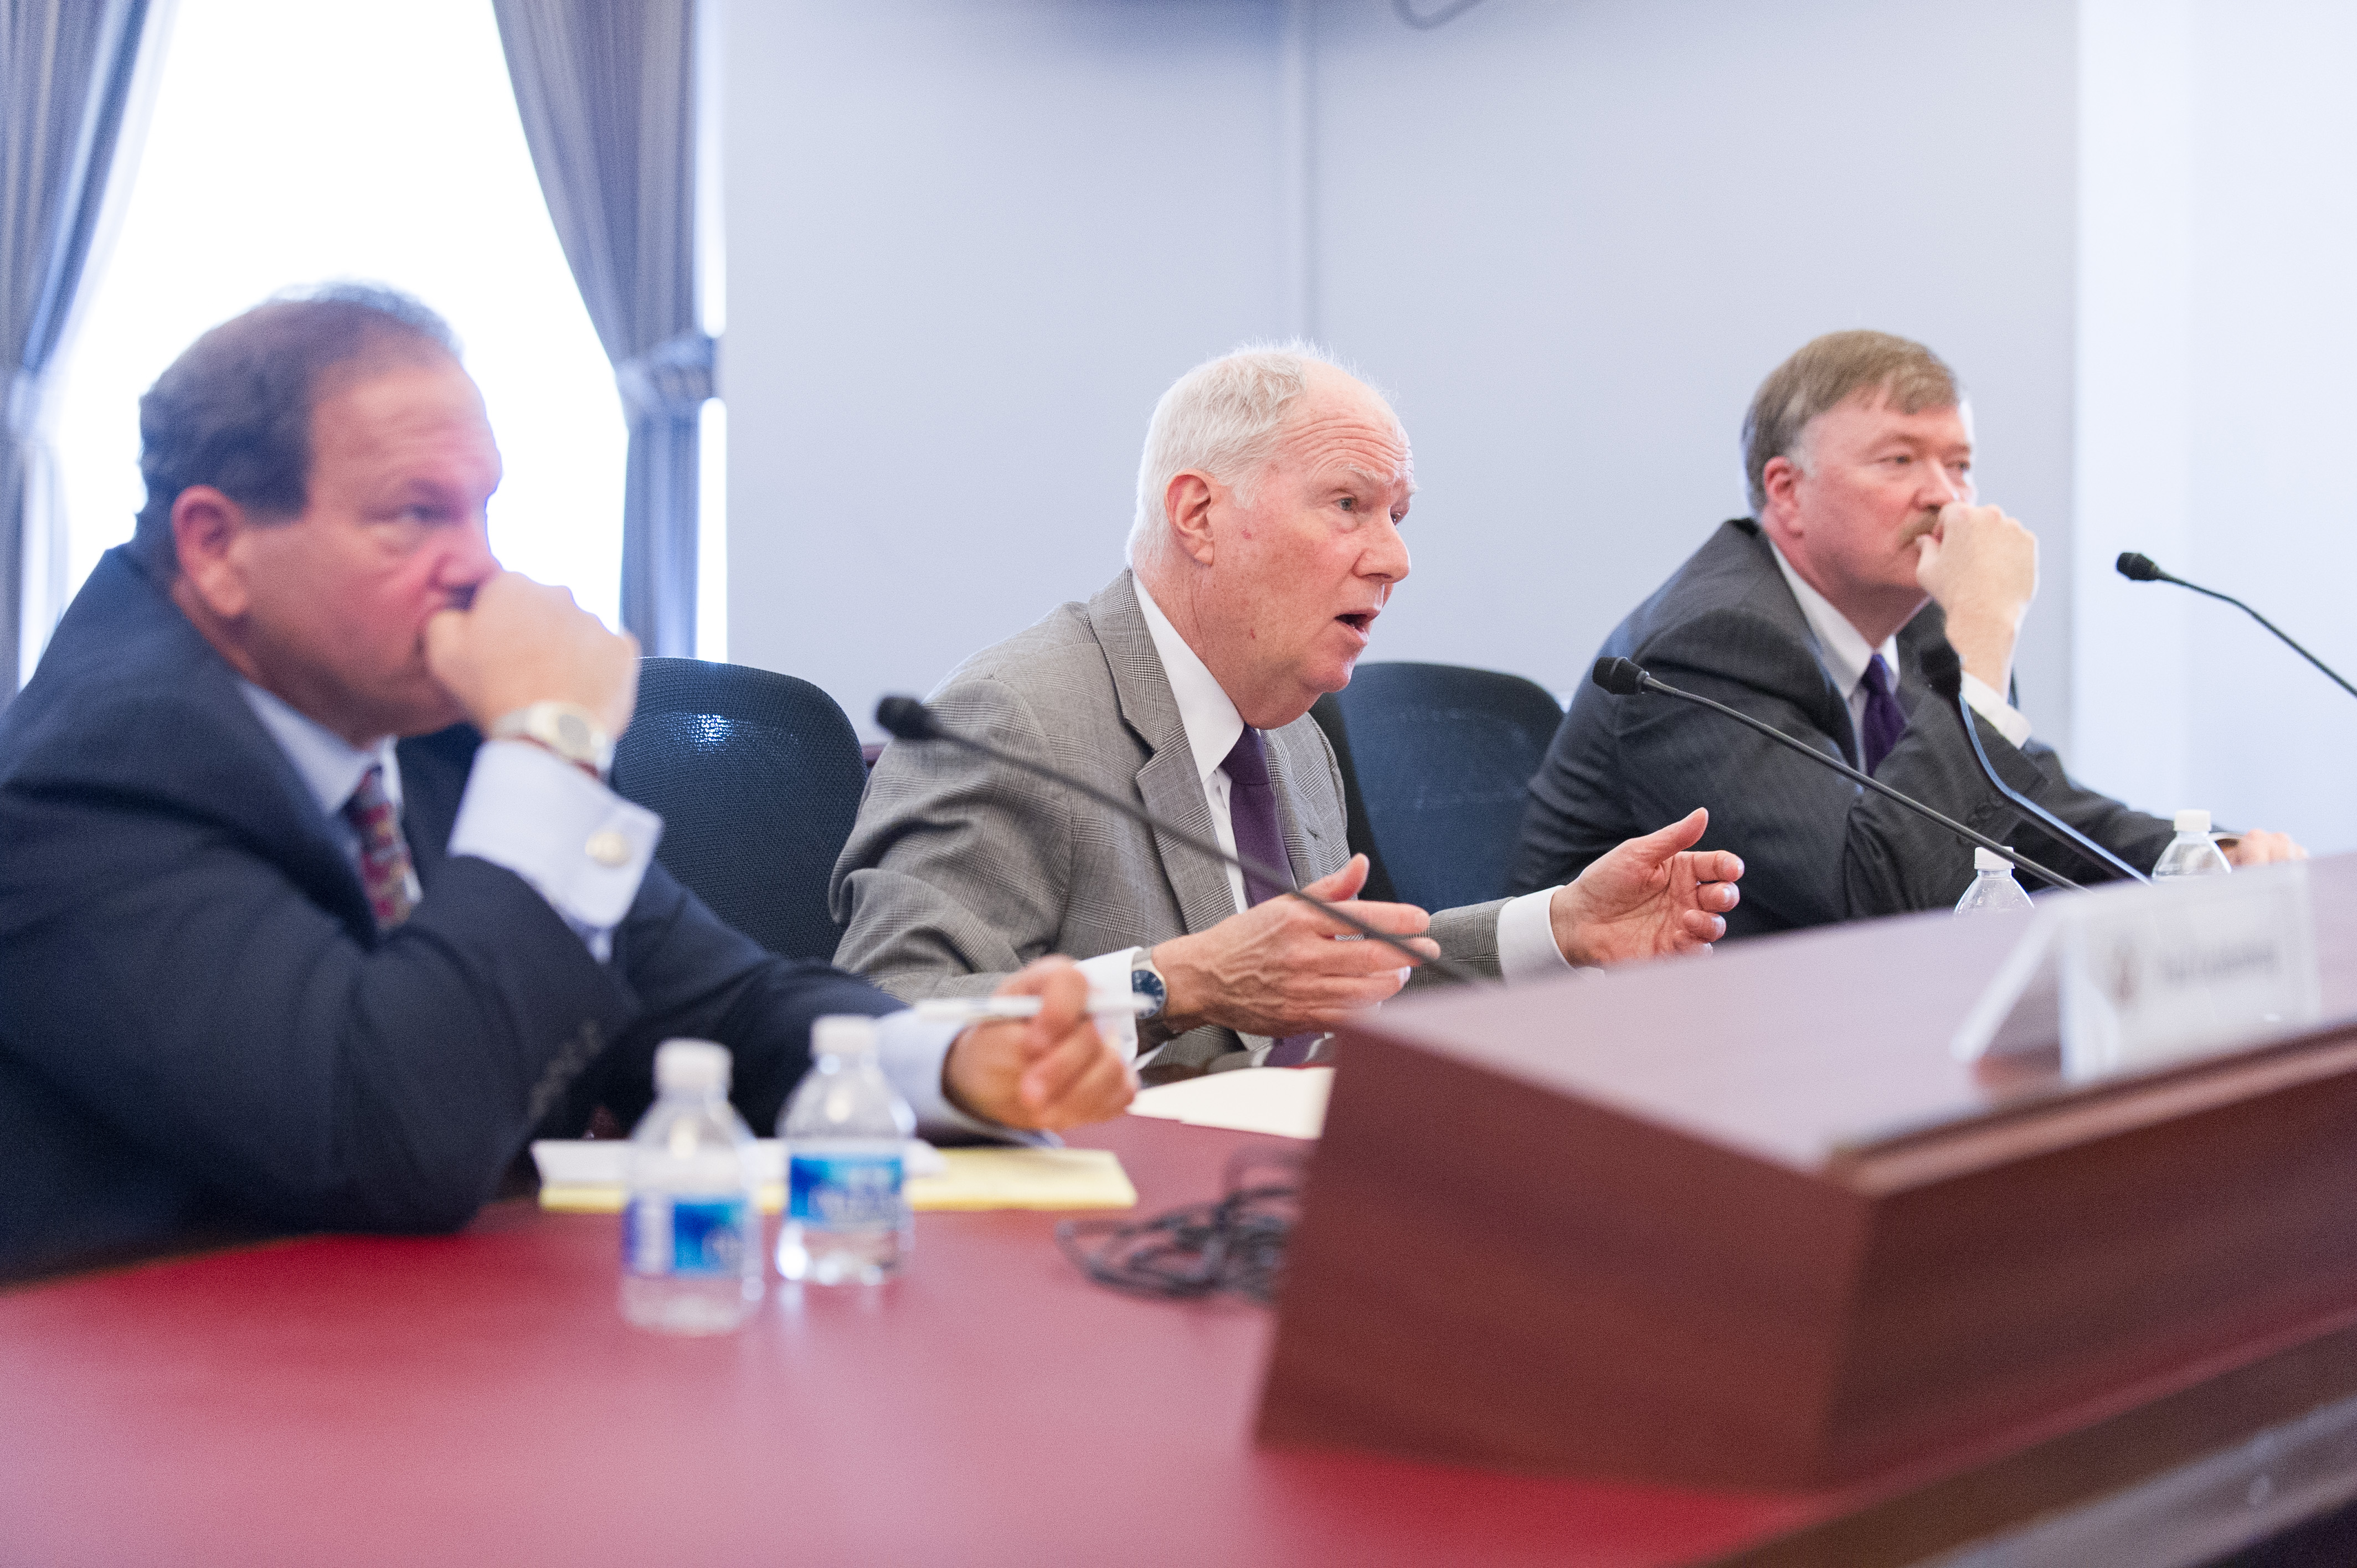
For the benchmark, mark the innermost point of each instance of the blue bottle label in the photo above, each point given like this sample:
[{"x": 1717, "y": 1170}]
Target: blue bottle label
[
  {"x": 694, "y": 1238},
  {"x": 845, "y": 1192}
]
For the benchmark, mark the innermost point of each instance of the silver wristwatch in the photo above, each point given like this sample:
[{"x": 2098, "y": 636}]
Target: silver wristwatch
[
  {"x": 568, "y": 729},
  {"x": 1147, "y": 981}
]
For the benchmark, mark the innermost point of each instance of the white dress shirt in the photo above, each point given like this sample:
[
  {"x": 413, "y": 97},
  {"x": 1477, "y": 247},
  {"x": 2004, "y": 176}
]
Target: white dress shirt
[
  {"x": 1844, "y": 651},
  {"x": 536, "y": 815},
  {"x": 1526, "y": 931}
]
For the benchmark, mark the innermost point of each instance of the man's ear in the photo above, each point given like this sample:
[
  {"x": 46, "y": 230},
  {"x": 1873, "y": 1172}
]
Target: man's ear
[
  {"x": 1780, "y": 480},
  {"x": 1187, "y": 504},
  {"x": 206, "y": 525}
]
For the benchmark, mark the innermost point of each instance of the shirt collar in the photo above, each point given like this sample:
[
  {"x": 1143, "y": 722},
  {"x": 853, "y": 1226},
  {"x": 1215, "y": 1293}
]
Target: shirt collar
[
  {"x": 1843, "y": 647},
  {"x": 1213, "y": 726},
  {"x": 331, "y": 767}
]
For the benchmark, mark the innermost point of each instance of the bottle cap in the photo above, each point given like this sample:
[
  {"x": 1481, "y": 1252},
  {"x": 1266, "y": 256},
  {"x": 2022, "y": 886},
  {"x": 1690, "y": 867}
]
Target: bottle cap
[
  {"x": 1989, "y": 860},
  {"x": 690, "y": 1067},
  {"x": 843, "y": 1035},
  {"x": 2193, "y": 822}
]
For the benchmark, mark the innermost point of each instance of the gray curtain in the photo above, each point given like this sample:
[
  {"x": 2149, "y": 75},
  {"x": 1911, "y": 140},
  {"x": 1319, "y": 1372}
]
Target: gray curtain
[
  {"x": 606, "y": 89},
  {"x": 65, "y": 75}
]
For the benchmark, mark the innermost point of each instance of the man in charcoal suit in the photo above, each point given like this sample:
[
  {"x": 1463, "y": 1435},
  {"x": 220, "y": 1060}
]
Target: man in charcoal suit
[{"x": 1866, "y": 548}]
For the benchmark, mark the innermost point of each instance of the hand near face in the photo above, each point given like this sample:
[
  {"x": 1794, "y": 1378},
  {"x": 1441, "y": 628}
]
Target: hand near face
[
  {"x": 1278, "y": 969},
  {"x": 2258, "y": 848},
  {"x": 1649, "y": 896},
  {"x": 522, "y": 642},
  {"x": 1980, "y": 567},
  {"x": 1048, "y": 1072}
]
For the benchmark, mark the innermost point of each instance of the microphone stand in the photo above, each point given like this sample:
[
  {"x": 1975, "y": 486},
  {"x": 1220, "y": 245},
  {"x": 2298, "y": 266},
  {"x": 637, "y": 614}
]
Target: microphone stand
[
  {"x": 1626, "y": 678},
  {"x": 2139, "y": 568},
  {"x": 1946, "y": 673},
  {"x": 905, "y": 718}
]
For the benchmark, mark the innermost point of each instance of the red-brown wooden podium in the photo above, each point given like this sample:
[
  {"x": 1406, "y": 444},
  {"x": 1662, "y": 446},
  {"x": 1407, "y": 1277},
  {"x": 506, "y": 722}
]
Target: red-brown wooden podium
[{"x": 1743, "y": 1221}]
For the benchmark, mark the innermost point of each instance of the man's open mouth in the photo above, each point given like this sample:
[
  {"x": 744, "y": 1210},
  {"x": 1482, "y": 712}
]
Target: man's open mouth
[{"x": 1360, "y": 621}]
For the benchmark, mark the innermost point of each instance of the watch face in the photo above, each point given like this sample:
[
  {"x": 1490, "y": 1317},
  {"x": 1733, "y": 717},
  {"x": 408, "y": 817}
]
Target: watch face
[
  {"x": 573, "y": 732},
  {"x": 1148, "y": 984}
]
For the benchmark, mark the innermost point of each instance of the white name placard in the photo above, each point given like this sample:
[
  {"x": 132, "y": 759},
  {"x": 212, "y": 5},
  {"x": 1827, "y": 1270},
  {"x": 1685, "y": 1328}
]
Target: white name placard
[{"x": 2135, "y": 977}]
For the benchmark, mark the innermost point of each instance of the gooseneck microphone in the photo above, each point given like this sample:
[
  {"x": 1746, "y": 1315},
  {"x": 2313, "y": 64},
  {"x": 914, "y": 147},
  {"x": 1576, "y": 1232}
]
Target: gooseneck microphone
[
  {"x": 906, "y": 718},
  {"x": 1946, "y": 671},
  {"x": 2138, "y": 568},
  {"x": 1626, "y": 678}
]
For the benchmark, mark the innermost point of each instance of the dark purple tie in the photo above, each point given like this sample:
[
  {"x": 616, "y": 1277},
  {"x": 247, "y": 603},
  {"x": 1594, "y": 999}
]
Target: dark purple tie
[
  {"x": 1885, "y": 721},
  {"x": 1252, "y": 813}
]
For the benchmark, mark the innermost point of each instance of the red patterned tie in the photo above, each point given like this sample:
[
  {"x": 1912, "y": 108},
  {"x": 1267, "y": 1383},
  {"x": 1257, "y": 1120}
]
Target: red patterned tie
[{"x": 386, "y": 871}]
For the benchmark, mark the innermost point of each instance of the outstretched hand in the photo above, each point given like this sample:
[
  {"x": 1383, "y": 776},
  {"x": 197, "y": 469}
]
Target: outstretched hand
[{"x": 1648, "y": 897}]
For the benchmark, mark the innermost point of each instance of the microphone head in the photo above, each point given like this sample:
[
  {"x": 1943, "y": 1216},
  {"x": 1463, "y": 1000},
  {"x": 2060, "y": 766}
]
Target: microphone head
[
  {"x": 2137, "y": 568},
  {"x": 1621, "y": 677},
  {"x": 1944, "y": 670},
  {"x": 906, "y": 718}
]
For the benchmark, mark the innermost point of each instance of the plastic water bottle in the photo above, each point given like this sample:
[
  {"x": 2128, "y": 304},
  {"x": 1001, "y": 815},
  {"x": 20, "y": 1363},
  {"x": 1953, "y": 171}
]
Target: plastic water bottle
[
  {"x": 692, "y": 1225},
  {"x": 1994, "y": 891},
  {"x": 2190, "y": 853},
  {"x": 845, "y": 1130}
]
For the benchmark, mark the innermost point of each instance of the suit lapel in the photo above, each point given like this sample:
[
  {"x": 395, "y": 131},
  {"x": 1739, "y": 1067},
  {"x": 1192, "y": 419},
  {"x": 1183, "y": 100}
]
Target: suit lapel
[
  {"x": 1167, "y": 783},
  {"x": 1308, "y": 804},
  {"x": 1829, "y": 704},
  {"x": 179, "y": 732}
]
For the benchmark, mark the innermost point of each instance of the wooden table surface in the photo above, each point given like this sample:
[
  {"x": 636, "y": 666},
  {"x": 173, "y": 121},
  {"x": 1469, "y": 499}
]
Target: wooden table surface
[{"x": 478, "y": 1399}]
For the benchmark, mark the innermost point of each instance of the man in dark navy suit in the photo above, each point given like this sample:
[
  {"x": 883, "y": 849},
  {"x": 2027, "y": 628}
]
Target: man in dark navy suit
[{"x": 313, "y": 902}]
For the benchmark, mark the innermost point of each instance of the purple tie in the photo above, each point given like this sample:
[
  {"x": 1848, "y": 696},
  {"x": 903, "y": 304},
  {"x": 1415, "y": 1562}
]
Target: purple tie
[
  {"x": 1885, "y": 721},
  {"x": 1252, "y": 813}
]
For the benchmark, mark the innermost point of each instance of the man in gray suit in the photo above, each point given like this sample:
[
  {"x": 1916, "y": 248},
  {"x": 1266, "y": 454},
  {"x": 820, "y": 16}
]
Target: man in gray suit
[
  {"x": 1266, "y": 543},
  {"x": 1867, "y": 549}
]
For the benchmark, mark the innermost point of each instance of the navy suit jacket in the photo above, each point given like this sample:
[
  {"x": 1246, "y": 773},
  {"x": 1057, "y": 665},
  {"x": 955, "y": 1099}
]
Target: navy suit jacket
[
  {"x": 1815, "y": 847},
  {"x": 199, "y": 1026}
]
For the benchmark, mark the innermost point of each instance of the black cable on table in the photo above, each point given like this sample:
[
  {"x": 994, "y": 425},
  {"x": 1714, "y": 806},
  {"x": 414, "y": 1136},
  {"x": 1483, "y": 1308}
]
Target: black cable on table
[{"x": 1235, "y": 1244}]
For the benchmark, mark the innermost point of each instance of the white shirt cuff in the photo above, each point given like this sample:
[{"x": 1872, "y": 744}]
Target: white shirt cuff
[
  {"x": 911, "y": 1051},
  {"x": 577, "y": 843},
  {"x": 1526, "y": 948},
  {"x": 1110, "y": 973},
  {"x": 2009, "y": 721}
]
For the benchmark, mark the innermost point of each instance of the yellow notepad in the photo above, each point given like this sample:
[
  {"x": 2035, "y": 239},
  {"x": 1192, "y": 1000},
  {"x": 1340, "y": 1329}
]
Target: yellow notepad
[
  {"x": 969, "y": 1179},
  {"x": 1025, "y": 1178}
]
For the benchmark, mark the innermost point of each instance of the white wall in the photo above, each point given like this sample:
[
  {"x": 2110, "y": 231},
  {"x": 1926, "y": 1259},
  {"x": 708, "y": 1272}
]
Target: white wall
[
  {"x": 971, "y": 241},
  {"x": 969, "y": 245},
  {"x": 2219, "y": 326},
  {"x": 1573, "y": 238}
]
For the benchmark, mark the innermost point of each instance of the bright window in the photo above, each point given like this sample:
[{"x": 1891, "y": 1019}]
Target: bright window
[{"x": 296, "y": 143}]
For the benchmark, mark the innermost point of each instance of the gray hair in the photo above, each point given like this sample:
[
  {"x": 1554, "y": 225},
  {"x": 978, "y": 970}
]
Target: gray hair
[
  {"x": 1827, "y": 373},
  {"x": 1226, "y": 418}
]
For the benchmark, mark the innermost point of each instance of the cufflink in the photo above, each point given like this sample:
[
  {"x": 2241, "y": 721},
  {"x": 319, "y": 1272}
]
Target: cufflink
[{"x": 608, "y": 849}]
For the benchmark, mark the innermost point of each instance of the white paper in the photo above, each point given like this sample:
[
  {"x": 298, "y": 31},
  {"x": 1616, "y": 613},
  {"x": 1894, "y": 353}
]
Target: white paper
[{"x": 1289, "y": 1101}]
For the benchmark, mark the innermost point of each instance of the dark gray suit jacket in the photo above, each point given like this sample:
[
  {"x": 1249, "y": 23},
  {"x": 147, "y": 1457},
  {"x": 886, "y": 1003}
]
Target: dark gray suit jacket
[
  {"x": 961, "y": 870},
  {"x": 1815, "y": 847}
]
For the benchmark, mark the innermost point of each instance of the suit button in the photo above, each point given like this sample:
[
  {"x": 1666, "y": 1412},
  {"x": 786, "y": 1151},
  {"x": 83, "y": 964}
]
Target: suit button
[{"x": 608, "y": 848}]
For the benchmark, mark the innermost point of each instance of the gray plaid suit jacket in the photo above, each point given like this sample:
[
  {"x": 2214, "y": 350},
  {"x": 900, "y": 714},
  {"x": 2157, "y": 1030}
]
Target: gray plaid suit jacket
[{"x": 961, "y": 870}]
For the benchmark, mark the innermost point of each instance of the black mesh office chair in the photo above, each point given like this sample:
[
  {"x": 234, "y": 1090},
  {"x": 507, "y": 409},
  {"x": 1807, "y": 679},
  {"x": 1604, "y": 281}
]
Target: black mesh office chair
[
  {"x": 757, "y": 778},
  {"x": 1437, "y": 762}
]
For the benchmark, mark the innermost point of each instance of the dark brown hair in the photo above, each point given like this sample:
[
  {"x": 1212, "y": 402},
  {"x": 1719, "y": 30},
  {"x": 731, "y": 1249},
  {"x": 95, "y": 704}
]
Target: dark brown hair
[{"x": 234, "y": 410}]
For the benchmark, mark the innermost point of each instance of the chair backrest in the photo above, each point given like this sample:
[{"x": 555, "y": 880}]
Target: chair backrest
[
  {"x": 757, "y": 778},
  {"x": 1438, "y": 760}
]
